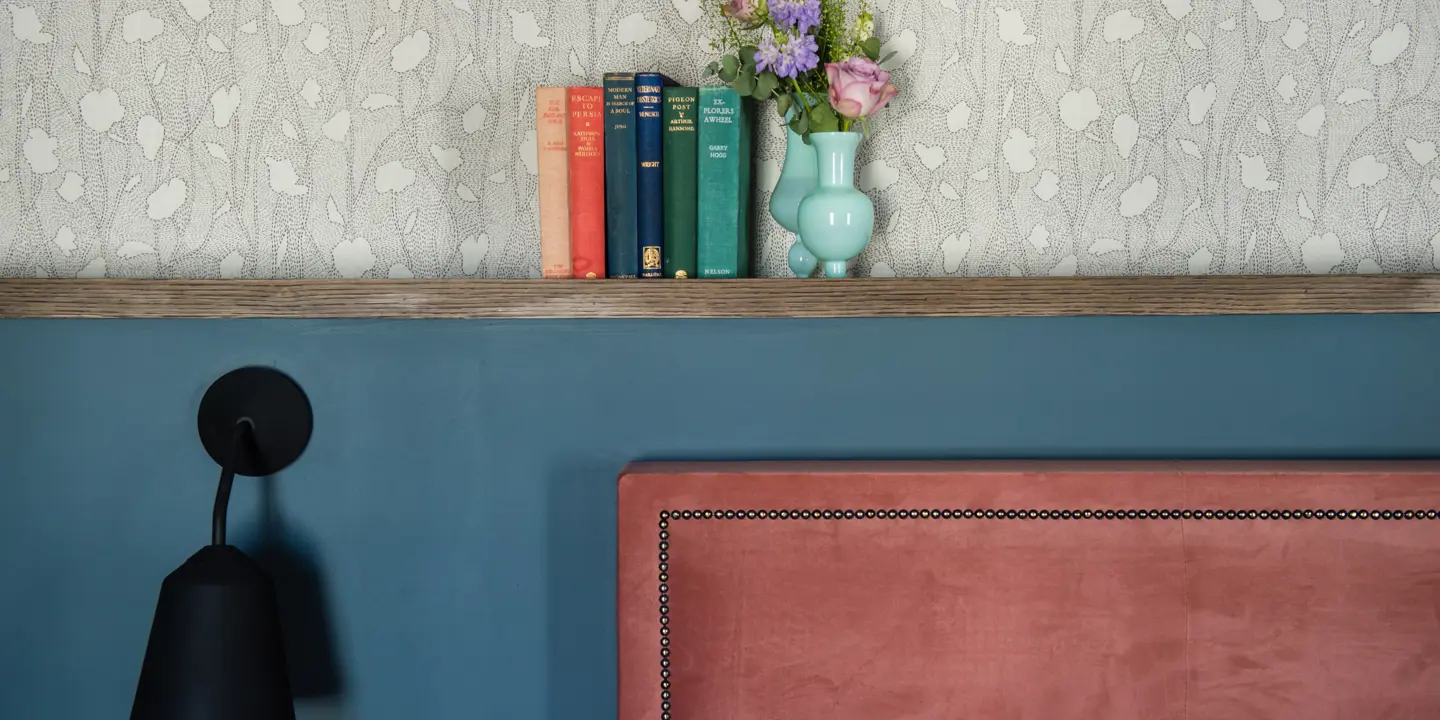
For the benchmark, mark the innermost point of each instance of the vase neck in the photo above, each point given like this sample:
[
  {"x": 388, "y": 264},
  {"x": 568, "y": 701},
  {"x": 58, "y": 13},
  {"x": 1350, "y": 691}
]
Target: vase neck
[{"x": 835, "y": 153}]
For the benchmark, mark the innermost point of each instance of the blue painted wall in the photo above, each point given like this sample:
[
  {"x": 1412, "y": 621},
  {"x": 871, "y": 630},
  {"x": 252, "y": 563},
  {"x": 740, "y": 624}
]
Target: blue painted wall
[{"x": 458, "y": 495}]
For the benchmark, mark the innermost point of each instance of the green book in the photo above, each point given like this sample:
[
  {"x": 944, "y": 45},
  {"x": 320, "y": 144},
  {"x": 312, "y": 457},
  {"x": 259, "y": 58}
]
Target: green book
[
  {"x": 678, "y": 170},
  {"x": 723, "y": 176}
]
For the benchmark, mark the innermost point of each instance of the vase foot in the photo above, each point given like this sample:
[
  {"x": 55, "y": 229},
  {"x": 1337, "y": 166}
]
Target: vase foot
[
  {"x": 802, "y": 261},
  {"x": 834, "y": 268}
]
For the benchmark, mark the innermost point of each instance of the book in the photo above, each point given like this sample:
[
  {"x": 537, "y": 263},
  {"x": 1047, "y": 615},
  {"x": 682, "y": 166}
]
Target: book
[
  {"x": 649, "y": 187},
  {"x": 622, "y": 249},
  {"x": 722, "y": 169},
  {"x": 552, "y": 142},
  {"x": 678, "y": 168},
  {"x": 587, "y": 182}
]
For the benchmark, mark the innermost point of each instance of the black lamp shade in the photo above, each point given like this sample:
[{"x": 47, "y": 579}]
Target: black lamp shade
[{"x": 216, "y": 651}]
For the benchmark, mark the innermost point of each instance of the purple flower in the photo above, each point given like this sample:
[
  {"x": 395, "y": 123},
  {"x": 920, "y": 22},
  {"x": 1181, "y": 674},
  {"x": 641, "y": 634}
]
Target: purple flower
[
  {"x": 789, "y": 57},
  {"x": 797, "y": 15},
  {"x": 767, "y": 53}
]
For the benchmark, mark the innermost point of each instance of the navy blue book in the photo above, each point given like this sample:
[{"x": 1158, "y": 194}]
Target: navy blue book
[
  {"x": 622, "y": 247},
  {"x": 650, "y": 186}
]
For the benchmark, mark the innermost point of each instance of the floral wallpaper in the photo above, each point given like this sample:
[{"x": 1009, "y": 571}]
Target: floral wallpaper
[{"x": 395, "y": 138}]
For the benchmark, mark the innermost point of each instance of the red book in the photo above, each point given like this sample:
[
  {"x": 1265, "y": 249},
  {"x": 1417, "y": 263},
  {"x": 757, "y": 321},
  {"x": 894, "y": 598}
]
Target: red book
[{"x": 587, "y": 182}]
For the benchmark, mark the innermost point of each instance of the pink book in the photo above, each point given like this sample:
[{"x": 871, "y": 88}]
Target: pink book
[{"x": 552, "y": 137}]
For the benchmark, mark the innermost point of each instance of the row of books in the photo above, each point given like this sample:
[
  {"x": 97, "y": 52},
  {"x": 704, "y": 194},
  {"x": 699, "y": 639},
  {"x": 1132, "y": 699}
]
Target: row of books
[{"x": 640, "y": 178}]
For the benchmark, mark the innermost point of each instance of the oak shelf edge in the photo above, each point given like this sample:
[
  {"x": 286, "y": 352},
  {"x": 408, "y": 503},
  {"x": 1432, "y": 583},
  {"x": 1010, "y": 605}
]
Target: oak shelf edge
[{"x": 759, "y": 298}]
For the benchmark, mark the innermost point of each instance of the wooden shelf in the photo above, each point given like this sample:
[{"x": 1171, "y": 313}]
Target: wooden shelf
[{"x": 818, "y": 298}]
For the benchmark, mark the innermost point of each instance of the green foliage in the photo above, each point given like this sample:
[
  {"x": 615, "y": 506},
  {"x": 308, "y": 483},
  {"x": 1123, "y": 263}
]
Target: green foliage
[
  {"x": 783, "y": 103},
  {"x": 729, "y": 68},
  {"x": 801, "y": 125},
  {"x": 745, "y": 81},
  {"x": 833, "y": 35},
  {"x": 823, "y": 119},
  {"x": 871, "y": 48},
  {"x": 765, "y": 85}
]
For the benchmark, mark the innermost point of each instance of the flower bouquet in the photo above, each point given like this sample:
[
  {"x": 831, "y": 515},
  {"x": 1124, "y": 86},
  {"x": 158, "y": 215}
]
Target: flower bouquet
[
  {"x": 823, "y": 71},
  {"x": 775, "y": 50}
]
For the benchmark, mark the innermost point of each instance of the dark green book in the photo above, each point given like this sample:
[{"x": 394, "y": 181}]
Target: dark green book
[
  {"x": 723, "y": 177},
  {"x": 678, "y": 170},
  {"x": 622, "y": 243}
]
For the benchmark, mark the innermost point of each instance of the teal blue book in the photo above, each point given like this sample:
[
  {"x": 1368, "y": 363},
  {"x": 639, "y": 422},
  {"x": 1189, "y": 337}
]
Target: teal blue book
[
  {"x": 723, "y": 177},
  {"x": 622, "y": 246}
]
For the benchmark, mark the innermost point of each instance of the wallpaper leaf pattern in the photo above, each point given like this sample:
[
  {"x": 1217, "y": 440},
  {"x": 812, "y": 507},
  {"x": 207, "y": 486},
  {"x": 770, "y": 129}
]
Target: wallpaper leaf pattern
[{"x": 395, "y": 138}]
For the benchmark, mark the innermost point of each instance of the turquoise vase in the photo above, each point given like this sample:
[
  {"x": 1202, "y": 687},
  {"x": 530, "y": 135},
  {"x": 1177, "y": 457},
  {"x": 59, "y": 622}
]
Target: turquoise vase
[
  {"x": 799, "y": 176},
  {"x": 836, "y": 220}
]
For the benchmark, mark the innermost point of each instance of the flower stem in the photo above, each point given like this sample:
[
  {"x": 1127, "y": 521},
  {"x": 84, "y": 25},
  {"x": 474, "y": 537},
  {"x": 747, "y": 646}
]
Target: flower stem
[{"x": 800, "y": 94}]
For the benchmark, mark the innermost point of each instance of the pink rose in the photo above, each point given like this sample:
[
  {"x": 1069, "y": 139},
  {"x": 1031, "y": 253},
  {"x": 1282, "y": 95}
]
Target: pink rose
[
  {"x": 858, "y": 87},
  {"x": 743, "y": 11}
]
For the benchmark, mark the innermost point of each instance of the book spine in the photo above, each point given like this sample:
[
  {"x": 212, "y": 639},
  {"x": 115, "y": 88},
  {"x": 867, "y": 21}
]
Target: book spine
[
  {"x": 587, "y": 182},
  {"x": 552, "y": 140},
  {"x": 649, "y": 183},
  {"x": 622, "y": 254},
  {"x": 678, "y": 166},
  {"x": 744, "y": 164},
  {"x": 720, "y": 204}
]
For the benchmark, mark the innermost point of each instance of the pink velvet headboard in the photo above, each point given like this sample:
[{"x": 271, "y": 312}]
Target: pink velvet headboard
[{"x": 1045, "y": 591}]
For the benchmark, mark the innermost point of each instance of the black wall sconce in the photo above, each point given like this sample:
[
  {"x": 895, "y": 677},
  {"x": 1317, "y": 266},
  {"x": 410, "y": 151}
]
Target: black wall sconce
[{"x": 216, "y": 651}]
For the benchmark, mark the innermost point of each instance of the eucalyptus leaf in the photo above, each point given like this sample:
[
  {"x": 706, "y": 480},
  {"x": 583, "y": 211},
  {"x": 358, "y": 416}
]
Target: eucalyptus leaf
[
  {"x": 766, "y": 84},
  {"x": 800, "y": 123},
  {"x": 871, "y": 46},
  {"x": 887, "y": 57},
  {"x": 730, "y": 64},
  {"x": 747, "y": 55},
  {"x": 822, "y": 119},
  {"x": 727, "y": 75},
  {"x": 712, "y": 68},
  {"x": 745, "y": 82},
  {"x": 783, "y": 103}
]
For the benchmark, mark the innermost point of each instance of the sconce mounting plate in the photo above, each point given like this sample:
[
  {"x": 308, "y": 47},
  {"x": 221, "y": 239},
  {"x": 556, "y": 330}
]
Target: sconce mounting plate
[{"x": 279, "y": 413}]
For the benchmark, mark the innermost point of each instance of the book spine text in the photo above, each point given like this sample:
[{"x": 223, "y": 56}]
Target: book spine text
[
  {"x": 680, "y": 195},
  {"x": 552, "y": 140},
  {"x": 621, "y": 242},
  {"x": 587, "y": 182}
]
